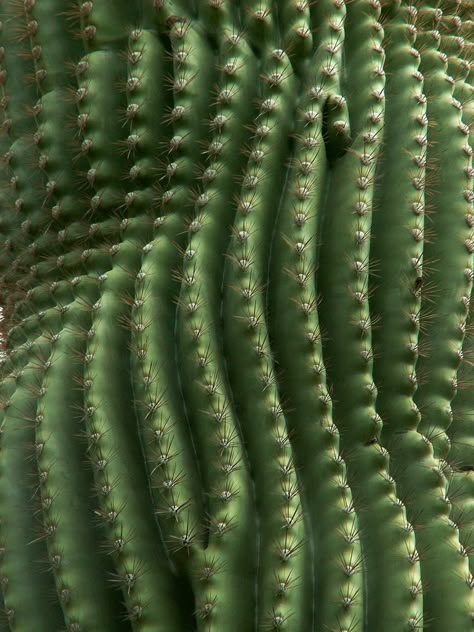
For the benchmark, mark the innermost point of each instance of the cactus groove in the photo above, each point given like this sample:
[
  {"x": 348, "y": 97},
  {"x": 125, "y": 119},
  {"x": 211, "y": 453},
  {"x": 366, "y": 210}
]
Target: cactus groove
[{"x": 237, "y": 344}]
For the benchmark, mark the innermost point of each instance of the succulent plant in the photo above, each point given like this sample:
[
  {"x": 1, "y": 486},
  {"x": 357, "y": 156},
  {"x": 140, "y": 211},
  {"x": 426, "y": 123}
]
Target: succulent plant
[{"x": 236, "y": 391}]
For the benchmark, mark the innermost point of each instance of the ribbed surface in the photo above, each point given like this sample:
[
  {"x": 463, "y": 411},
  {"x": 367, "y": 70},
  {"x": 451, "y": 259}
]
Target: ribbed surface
[{"x": 236, "y": 274}]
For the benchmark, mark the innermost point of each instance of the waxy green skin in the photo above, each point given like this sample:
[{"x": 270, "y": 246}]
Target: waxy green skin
[{"x": 236, "y": 387}]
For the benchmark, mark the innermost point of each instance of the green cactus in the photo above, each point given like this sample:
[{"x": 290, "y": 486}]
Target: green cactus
[{"x": 236, "y": 271}]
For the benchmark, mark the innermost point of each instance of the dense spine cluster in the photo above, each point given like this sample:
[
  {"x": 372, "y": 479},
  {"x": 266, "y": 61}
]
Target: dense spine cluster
[{"x": 236, "y": 275}]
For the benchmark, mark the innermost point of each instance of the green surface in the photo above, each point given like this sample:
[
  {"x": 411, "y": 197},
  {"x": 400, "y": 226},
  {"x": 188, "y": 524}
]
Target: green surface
[{"x": 236, "y": 385}]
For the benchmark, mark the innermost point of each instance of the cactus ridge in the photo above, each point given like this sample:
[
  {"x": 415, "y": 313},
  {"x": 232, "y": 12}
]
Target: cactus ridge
[{"x": 236, "y": 280}]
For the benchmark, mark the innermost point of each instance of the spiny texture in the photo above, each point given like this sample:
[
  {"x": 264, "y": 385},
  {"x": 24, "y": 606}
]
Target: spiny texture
[{"x": 236, "y": 264}]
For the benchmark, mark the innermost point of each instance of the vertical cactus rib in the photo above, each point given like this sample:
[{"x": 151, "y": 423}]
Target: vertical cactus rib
[
  {"x": 17, "y": 196},
  {"x": 54, "y": 164},
  {"x": 461, "y": 434},
  {"x": 16, "y": 65},
  {"x": 221, "y": 455},
  {"x": 296, "y": 340},
  {"x": 7, "y": 389},
  {"x": 453, "y": 272},
  {"x": 461, "y": 493},
  {"x": 248, "y": 355},
  {"x": 397, "y": 279},
  {"x": 412, "y": 453},
  {"x": 346, "y": 317},
  {"x": 163, "y": 13},
  {"x": 433, "y": 509},
  {"x": 19, "y": 91},
  {"x": 141, "y": 571},
  {"x": 29, "y": 52},
  {"x": 99, "y": 28},
  {"x": 322, "y": 82},
  {"x": 216, "y": 16},
  {"x": 50, "y": 44},
  {"x": 23, "y": 546},
  {"x": 80, "y": 574},
  {"x": 326, "y": 72},
  {"x": 165, "y": 443},
  {"x": 296, "y": 34},
  {"x": 171, "y": 464},
  {"x": 173, "y": 474},
  {"x": 258, "y": 25},
  {"x": 98, "y": 74},
  {"x": 145, "y": 108},
  {"x": 398, "y": 250}
]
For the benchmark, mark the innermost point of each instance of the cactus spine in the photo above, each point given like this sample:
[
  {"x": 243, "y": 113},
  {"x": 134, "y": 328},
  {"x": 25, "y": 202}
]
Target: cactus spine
[{"x": 236, "y": 274}]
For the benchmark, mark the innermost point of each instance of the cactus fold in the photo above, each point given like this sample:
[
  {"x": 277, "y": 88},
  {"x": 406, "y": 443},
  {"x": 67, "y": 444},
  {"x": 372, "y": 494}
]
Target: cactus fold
[{"x": 236, "y": 268}]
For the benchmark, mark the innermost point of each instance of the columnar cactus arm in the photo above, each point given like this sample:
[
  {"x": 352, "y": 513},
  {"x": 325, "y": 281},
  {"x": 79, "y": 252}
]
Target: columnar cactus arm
[{"x": 344, "y": 284}]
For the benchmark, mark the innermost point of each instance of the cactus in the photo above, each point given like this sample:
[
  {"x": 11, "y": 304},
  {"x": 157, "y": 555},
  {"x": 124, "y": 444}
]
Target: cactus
[{"x": 236, "y": 272}]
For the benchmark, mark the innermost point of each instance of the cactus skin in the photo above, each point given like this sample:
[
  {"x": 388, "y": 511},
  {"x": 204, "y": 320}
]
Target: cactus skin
[{"x": 236, "y": 278}]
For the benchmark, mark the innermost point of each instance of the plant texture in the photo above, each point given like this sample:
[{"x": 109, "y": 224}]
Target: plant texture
[{"x": 236, "y": 263}]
